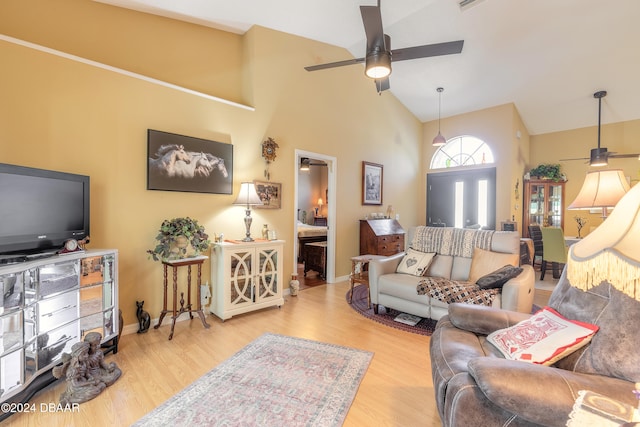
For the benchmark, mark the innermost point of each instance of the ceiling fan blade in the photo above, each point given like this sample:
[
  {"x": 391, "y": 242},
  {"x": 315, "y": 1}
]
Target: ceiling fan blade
[
  {"x": 577, "y": 158},
  {"x": 625, "y": 156},
  {"x": 334, "y": 64},
  {"x": 372, "y": 20},
  {"x": 382, "y": 85},
  {"x": 428, "y": 50}
]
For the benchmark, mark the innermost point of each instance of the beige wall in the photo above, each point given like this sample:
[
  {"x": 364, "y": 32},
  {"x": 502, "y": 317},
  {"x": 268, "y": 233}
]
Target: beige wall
[
  {"x": 63, "y": 115},
  {"x": 621, "y": 137}
]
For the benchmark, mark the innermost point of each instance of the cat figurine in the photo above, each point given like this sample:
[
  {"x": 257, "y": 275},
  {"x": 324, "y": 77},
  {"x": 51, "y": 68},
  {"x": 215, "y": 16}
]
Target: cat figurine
[{"x": 144, "y": 320}]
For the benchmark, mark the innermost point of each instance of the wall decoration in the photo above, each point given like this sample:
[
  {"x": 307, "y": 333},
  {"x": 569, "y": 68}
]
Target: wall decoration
[
  {"x": 371, "y": 183},
  {"x": 183, "y": 163},
  {"x": 270, "y": 193},
  {"x": 269, "y": 147}
]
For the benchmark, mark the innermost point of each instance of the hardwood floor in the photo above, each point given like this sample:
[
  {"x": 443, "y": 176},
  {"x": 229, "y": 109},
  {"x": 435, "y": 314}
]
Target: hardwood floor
[{"x": 397, "y": 389}]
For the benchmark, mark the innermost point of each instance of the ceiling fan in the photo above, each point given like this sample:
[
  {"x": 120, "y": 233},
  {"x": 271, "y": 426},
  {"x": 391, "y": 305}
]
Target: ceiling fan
[
  {"x": 600, "y": 156},
  {"x": 379, "y": 55}
]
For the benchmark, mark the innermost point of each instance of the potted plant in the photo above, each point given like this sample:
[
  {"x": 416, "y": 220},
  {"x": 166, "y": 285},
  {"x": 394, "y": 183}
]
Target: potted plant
[
  {"x": 175, "y": 236},
  {"x": 548, "y": 171}
]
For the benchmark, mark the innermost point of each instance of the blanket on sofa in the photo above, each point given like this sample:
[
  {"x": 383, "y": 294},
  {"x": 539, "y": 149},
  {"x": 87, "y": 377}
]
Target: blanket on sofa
[{"x": 451, "y": 241}]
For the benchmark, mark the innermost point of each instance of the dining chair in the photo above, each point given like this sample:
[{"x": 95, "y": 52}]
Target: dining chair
[
  {"x": 536, "y": 235},
  {"x": 554, "y": 250}
]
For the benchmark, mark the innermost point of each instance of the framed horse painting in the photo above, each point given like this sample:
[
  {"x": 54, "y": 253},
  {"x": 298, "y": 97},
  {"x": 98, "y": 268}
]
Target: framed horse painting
[{"x": 183, "y": 163}]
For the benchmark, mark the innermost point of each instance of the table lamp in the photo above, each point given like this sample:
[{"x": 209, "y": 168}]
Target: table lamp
[
  {"x": 610, "y": 252},
  {"x": 248, "y": 197},
  {"x": 320, "y": 203},
  {"x": 601, "y": 189}
]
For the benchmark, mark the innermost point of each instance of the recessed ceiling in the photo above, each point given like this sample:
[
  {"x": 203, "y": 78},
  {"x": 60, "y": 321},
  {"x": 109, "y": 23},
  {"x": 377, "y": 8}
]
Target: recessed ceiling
[{"x": 548, "y": 57}]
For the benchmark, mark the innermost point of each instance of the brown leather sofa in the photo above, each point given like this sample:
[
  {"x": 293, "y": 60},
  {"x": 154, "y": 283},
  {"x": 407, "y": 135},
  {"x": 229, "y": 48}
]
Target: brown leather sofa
[{"x": 475, "y": 386}]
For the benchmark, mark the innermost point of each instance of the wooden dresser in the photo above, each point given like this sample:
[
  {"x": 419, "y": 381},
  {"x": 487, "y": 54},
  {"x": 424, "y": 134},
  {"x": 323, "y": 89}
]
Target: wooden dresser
[{"x": 381, "y": 237}]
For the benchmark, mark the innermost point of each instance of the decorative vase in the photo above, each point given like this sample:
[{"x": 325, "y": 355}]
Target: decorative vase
[
  {"x": 294, "y": 285},
  {"x": 179, "y": 247},
  {"x": 265, "y": 232}
]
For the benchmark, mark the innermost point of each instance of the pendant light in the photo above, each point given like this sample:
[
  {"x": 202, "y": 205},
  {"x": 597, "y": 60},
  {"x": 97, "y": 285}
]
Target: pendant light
[{"x": 439, "y": 140}]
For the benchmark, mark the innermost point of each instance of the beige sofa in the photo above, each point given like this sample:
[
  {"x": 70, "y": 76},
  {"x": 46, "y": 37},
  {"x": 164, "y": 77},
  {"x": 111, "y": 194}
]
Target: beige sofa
[{"x": 398, "y": 290}]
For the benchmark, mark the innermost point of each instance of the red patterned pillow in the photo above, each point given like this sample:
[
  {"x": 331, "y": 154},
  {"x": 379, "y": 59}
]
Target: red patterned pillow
[
  {"x": 544, "y": 338},
  {"x": 451, "y": 291}
]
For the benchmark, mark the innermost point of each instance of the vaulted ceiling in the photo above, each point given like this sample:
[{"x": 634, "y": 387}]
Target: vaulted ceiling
[{"x": 548, "y": 57}]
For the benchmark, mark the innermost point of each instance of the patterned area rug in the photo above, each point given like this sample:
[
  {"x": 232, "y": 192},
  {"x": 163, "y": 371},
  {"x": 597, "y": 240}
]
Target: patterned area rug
[
  {"x": 359, "y": 304},
  {"x": 275, "y": 380}
]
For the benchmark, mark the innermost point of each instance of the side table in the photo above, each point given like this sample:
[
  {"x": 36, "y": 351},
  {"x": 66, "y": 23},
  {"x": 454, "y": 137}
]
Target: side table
[
  {"x": 175, "y": 264},
  {"x": 360, "y": 274}
]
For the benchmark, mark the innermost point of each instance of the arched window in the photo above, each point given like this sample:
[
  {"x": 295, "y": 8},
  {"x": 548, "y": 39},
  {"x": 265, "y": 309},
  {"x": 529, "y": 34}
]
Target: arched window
[{"x": 462, "y": 151}]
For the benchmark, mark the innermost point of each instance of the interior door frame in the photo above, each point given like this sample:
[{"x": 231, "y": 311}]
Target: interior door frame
[{"x": 332, "y": 219}]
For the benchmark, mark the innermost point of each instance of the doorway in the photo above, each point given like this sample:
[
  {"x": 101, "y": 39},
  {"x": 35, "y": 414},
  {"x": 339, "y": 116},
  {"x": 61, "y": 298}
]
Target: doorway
[
  {"x": 462, "y": 199},
  {"x": 309, "y": 203}
]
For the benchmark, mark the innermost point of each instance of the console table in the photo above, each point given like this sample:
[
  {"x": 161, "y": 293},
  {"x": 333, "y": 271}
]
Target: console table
[{"x": 175, "y": 264}]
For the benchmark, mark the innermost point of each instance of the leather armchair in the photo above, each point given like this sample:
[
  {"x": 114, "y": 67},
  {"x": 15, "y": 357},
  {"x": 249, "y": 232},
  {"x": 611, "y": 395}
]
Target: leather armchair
[{"x": 475, "y": 386}]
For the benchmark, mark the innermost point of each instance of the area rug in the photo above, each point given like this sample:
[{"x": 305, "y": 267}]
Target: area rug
[
  {"x": 359, "y": 304},
  {"x": 275, "y": 380}
]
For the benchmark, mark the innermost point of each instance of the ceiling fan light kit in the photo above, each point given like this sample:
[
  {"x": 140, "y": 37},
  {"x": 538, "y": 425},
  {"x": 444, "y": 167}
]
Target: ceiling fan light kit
[
  {"x": 598, "y": 157},
  {"x": 378, "y": 65}
]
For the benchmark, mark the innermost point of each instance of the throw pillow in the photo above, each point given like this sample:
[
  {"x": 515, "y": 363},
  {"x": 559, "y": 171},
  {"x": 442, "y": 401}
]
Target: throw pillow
[
  {"x": 498, "y": 278},
  {"x": 451, "y": 291},
  {"x": 415, "y": 262},
  {"x": 544, "y": 338},
  {"x": 484, "y": 262}
]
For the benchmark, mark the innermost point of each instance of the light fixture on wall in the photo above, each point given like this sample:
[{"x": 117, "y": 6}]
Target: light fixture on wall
[
  {"x": 306, "y": 163},
  {"x": 248, "y": 197},
  {"x": 601, "y": 189},
  {"x": 439, "y": 139},
  {"x": 609, "y": 253}
]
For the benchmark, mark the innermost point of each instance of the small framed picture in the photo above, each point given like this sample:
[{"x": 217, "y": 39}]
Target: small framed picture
[
  {"x": 270, "y": 193},
  {"x": 371, "y": 183}
]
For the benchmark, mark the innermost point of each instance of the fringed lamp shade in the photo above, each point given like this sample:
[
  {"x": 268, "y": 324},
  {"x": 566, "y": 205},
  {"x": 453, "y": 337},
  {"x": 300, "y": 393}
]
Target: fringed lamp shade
[{"x": 611, "y": 252}]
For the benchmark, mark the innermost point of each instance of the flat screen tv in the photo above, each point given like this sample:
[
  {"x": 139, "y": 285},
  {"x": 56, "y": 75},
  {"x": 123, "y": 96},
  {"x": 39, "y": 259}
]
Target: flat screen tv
[{"x": 40, "y": 209}]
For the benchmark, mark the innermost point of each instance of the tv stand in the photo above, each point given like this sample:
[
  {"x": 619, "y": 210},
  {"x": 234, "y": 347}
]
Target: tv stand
[
  {"x": 50, "y": 303},
  {"x": 16, "y": 258}
]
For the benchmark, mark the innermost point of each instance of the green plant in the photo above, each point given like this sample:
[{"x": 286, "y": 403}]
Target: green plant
[
  {"x": 547, "y": 171},
  {"x": 170, "y": 230}
]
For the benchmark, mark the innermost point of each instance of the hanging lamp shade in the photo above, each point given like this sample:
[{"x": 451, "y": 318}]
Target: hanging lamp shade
[{"x": 439, "y": 140}]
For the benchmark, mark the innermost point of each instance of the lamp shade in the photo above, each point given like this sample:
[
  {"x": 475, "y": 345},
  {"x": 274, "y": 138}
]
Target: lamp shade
[
  {"x": 248, "y": 195},
  {"x": 610, "y": 252},
  {"x": 439, "y": 140},
  {"x": 601, "y": 189}
]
